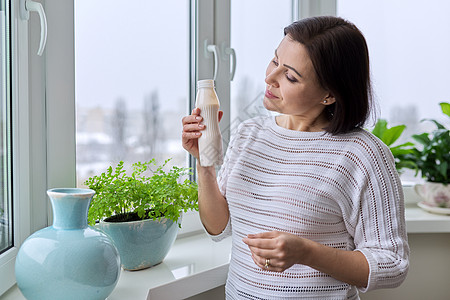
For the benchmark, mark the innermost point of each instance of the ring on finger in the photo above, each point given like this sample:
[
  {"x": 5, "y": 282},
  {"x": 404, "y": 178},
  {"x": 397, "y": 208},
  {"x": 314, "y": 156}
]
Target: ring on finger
[{"x": 267, "y": 265}]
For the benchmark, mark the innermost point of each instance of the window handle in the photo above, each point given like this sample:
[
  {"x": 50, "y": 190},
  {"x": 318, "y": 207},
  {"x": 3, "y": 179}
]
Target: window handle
[
  {"x": 232, "y": 52},
  {"x": 214, "y": 49},
  {"x": 25, "y": 7}
]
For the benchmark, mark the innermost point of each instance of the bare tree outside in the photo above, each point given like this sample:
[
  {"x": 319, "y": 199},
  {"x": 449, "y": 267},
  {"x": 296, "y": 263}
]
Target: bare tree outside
[
  {"x": 152, "y": 133},
  {"x": 119, "y": 126}
]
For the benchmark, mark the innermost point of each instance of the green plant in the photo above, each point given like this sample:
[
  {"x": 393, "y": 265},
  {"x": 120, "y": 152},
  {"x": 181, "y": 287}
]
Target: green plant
[
  {"x": 433, "y": 159},
  {"x": 402, "y": 153},
  {"x": 120, "y": 197}
]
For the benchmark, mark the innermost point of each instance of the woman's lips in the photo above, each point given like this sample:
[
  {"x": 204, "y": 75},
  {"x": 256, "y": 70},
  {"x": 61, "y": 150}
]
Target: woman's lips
[{"x": 269, "y": 95}]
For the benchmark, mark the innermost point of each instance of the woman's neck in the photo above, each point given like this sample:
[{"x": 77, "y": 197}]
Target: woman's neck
[{"x": 301, "y": 124}]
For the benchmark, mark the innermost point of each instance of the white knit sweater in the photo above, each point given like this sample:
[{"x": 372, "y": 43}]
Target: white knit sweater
[{"x": 339, "y": 190}]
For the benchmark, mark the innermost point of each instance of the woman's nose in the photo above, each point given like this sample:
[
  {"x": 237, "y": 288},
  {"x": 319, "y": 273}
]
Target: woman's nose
[{"x": 271, "y": 78}]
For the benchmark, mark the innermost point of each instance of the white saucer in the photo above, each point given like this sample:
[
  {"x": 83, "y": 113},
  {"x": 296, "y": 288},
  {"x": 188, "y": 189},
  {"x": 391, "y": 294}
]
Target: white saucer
[{"x": 434, "y": 209}]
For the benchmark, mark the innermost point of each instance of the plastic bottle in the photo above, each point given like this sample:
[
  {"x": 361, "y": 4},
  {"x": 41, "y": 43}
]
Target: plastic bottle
[{"x": 210, "y": 142}]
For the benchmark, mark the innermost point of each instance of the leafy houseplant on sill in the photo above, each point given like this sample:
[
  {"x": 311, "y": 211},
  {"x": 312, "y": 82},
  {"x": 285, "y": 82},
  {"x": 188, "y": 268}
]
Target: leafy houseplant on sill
[
  {"x": 141, "y": 213},
  {"x": 433, "y": 161}
]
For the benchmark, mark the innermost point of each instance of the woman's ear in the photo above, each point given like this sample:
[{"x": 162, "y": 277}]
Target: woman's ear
[{"x": 329, "y": 99}]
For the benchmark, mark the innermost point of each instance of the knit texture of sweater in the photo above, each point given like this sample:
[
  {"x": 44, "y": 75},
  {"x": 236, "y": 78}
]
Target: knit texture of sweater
[{"x": 339, "y": 190}]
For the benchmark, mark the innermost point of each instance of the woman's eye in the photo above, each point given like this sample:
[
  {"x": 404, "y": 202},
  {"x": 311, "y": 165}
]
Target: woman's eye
[
  {"x": 290, "y": 78},
  {"x": 275, "y": 62}
]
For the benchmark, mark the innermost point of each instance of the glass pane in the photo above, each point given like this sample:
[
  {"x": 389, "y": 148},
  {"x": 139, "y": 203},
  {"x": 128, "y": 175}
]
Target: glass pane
[
  {"x": 132, "y": 82},
  {"x": 408, "y": 44},
  {"x": 5, "y": 136},
  {"x": 256, "y": 31}
]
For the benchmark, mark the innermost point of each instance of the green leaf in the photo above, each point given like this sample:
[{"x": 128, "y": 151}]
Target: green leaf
[
  {"x": 406, "y": 164},
  {"x": 401, "y": 151},
  {"x": 392, "y": 134},
  {"x": 422, "y": 138},
  {"x": 438, "y": 125},
  {"x": 443, "y": 169},
  {"x": 380, "y": 128},
  {"x": 445, "y": 107},
  {"x": 407, "y": 144}
]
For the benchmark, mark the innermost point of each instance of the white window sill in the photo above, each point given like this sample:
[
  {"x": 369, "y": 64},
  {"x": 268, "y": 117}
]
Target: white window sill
[
  {"x": 196, "y": 264},
  {"x": 420, "y": 221}
]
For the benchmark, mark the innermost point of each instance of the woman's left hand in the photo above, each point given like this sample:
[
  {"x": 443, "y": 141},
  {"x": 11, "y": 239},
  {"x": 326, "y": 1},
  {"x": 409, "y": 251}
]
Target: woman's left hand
[{"x": 280, "y": 250}]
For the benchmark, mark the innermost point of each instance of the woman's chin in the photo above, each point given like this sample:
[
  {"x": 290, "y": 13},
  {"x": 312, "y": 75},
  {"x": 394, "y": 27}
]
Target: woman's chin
[{"x": 269, "y": 105}]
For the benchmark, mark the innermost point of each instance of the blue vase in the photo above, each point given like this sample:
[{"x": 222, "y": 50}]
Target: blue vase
[
  {"x": 68, "y": 260},
  {"x": 142, "y": 244}
]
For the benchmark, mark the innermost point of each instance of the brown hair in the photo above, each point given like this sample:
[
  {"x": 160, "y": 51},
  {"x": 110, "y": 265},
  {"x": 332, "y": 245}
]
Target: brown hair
[{"x": 340, "y": 57}]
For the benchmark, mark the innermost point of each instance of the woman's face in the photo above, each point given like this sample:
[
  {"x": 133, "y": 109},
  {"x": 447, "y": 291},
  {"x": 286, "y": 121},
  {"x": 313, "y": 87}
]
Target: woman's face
[{"x": 292, "y": 85}]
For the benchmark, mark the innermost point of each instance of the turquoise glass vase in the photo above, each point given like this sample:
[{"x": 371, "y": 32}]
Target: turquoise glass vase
[{"x": 68, "y": 260}]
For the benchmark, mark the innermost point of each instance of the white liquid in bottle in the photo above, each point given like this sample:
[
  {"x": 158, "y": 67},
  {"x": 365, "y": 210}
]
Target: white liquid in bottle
[{"x": 210, "y": 142}]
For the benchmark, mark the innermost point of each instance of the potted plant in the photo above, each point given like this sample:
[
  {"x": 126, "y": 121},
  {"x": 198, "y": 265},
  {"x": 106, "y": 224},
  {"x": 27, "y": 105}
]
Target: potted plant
[
  {"x": 432, "y": 159},
  {"x": 141, "y": 211}
]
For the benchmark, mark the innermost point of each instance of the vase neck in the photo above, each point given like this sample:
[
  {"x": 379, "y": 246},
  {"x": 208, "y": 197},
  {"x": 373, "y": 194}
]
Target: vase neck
[{"x": 70, "y": 207}]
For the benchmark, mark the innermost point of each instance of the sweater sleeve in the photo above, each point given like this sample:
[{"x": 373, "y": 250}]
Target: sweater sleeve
[
  {"x": 222, "y": 180},
  {"x": 377, "y": 219}
]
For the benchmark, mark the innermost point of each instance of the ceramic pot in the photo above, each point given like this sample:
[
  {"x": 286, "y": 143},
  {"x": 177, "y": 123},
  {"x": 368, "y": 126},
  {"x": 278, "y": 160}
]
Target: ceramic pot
[
  {"x": 434, "y": 194},
  {"x": 68, "y": 260},
  {"x": 142, "y": 244}
]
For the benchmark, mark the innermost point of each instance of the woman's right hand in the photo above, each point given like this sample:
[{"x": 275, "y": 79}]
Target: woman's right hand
[
  {"x": 191, "y": 132},
  {"x": 192, "y": 128}
]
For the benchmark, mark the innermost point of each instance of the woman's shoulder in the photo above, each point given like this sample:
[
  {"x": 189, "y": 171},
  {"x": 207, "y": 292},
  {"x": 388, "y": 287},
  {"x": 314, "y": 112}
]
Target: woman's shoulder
[
  {"x": 364, "y": 143},
  {"x": 363, "y": 135}
]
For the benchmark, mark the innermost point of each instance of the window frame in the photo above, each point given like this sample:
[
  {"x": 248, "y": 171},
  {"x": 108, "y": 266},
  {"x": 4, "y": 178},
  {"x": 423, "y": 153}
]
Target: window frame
[
  {"x": 5, "y": 114},
  {"x": 20, "y": 145},
  {"x": 42, "y": 99}
]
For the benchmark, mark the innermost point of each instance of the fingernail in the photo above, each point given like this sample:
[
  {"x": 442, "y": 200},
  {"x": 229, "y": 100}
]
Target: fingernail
[
  {"x": 198, "y": 118},
  {"x": 197, "y": 133},
  {"x": 201, "y": 125}
]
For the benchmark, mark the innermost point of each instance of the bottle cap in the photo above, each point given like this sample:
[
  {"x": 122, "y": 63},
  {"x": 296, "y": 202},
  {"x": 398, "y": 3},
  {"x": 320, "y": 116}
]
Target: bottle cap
[{"x": 205, "y": 83}]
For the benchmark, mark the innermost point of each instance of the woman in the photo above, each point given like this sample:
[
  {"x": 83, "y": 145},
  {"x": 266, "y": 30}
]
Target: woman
[{"x": 313, "y": 202}]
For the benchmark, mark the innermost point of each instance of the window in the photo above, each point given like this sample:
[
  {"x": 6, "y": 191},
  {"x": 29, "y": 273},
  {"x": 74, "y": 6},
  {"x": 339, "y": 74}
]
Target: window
[
  {"x": 6, "y": 218},
  {"x": 408, "y": 43},
  {"x": 132, "y": 82}
]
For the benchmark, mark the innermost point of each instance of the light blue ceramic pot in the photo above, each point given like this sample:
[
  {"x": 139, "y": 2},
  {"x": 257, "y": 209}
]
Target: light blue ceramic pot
[
  {"x": 68, "y": 260},
  {"x": 142, "y": 244}
]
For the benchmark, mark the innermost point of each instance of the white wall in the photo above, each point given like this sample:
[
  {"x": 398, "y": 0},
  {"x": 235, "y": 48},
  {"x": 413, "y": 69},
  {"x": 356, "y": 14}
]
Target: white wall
[{"x": 429, "y": 273}]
